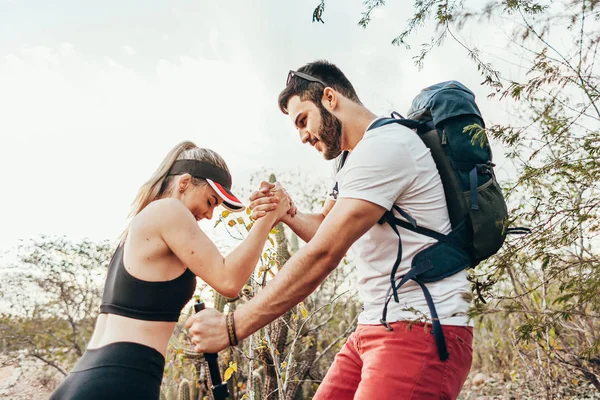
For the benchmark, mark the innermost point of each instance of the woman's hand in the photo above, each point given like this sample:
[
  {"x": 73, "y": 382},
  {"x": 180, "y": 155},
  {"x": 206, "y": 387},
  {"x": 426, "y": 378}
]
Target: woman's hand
[{"x": 271, "y": 197}]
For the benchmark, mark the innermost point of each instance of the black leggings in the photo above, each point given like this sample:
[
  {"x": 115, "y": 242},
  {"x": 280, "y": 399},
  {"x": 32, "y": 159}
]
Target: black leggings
[{"x": 121, "y": 370}]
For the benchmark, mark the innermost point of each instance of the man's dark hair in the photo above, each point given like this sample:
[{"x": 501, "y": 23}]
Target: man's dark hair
[{"x": 313, "y": 91}]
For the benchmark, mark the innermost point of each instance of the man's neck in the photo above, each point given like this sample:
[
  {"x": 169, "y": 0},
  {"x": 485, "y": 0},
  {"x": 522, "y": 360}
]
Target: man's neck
[{"x": 355, "y": 125}]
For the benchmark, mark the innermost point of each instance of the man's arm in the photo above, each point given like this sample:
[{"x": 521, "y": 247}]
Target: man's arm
[
  {"x": 348, "y": 220},
  {"x": 305, "y": 225}
]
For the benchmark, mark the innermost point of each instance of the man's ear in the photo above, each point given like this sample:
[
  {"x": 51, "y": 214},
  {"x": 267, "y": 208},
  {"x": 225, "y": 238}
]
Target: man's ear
[{"x": 330, "y": 99}]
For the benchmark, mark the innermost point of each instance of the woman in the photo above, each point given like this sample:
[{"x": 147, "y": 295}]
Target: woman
[{"x": 152, "y": 274}]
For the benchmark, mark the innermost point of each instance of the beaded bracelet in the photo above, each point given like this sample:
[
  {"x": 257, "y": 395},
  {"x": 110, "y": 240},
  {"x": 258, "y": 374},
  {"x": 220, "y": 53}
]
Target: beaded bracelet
[{"x": 233, "y": 341}]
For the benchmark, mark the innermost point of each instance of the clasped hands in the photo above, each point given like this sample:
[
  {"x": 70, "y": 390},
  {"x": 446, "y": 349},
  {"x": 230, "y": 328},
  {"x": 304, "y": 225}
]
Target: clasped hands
[{"x": 264, "y": 199}]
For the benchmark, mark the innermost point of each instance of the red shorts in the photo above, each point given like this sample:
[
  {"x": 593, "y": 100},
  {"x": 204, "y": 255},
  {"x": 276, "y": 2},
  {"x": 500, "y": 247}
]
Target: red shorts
[{"x": 376, "y": 364}]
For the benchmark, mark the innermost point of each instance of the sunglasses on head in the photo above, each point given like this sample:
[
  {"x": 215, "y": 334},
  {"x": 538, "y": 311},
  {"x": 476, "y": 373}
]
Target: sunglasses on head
[{"x": 304, "y": 76}]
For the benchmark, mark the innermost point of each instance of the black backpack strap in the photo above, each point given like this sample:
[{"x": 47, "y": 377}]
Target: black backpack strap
[
  {"x": 411, "y": 274},
  {"x": 419, "y": 126},
  {"x": 387, "y": 217},
  {"x": 438, "y": 333},
  {"x": 343, "y": 160},
  {"x": 407, "y": 216},
  {"x": 381, "y": 122},
  {"x": 411, "y": 225},
  {"x": 474, "y": 170},
  {"x": 335, "y": 191}
]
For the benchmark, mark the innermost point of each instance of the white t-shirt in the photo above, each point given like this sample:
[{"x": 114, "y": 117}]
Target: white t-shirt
[{"x": 391, "y": 165}]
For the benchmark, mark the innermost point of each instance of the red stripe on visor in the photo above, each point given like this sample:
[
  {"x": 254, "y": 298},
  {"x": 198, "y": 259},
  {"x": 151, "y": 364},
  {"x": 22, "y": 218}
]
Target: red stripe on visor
[{"x": 230, "y": 201}]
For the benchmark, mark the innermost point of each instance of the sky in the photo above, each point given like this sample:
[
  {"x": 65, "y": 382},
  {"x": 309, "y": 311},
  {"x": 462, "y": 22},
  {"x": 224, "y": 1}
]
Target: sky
[{"x": 94, "y": 94}]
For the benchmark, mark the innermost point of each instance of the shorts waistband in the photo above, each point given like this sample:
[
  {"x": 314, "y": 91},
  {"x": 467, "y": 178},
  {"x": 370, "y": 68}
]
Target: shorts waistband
[{"x": 125, "y": 355}]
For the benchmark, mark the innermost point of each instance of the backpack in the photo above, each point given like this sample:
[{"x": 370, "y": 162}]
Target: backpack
[
  {"x": 451, "y": 126},
  {"x": 447, "y": 119}
]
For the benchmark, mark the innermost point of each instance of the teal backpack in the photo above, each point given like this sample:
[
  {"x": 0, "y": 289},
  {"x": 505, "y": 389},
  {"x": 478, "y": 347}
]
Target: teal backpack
[{"x": 447, "y": 119}]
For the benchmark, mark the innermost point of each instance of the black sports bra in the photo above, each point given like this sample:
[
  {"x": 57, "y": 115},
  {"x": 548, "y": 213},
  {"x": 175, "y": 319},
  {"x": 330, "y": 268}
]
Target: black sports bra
[{"x": 149, "y": 301}]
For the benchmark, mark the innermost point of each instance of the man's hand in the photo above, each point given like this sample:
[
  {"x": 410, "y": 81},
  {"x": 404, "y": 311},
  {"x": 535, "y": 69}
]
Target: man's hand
[
  {"x": 208, "y": 331},
  {"x": 261, "y": 201}
]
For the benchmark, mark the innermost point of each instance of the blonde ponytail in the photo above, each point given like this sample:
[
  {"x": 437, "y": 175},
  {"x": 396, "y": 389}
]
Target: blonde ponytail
[{"x": 152, "y": 188}]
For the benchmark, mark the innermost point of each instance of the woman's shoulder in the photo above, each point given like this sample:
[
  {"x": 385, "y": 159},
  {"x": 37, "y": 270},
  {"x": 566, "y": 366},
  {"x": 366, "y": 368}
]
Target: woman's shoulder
[
  {"x": 165, "y": 204},
  {"x": 164, "y": 210}
]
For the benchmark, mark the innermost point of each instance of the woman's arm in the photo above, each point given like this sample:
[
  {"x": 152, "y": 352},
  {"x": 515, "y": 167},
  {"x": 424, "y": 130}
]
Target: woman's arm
[{"x": 227, "y": 275}]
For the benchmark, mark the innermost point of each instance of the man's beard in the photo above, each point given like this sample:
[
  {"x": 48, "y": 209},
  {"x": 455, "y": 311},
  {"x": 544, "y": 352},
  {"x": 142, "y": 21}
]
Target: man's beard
[{"x": 330, "y": 134}]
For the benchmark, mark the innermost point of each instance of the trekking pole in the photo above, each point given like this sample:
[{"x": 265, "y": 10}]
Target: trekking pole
[{"x": 219, "y": 389}]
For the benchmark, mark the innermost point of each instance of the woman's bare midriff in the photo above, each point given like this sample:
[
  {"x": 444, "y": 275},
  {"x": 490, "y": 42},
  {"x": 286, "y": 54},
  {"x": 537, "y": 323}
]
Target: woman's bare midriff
[{"x": 111, "y": 328}]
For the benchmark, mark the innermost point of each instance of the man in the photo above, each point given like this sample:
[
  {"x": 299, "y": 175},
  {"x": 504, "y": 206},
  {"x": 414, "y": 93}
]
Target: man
[{"x": 385, "y": 166}]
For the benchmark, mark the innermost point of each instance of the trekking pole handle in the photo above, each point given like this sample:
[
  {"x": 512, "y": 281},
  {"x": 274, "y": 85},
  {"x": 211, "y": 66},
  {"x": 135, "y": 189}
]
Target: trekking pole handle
[{"x": 219, "y": 389}]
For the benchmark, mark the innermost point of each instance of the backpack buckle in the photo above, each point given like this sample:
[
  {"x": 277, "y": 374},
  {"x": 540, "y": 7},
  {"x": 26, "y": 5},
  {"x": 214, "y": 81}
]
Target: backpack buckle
[
  {"x": 388, "y": 217},
  {"x": 334, "y": 192},
  {"x": 486, "y": 168},
  {"x": 386, "y": 324}
]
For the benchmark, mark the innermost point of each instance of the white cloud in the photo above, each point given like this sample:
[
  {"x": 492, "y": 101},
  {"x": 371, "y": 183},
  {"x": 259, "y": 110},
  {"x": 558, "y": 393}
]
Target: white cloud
[
  {"x": 66, "y": 50},
  {"x": 128, "y": 50}
]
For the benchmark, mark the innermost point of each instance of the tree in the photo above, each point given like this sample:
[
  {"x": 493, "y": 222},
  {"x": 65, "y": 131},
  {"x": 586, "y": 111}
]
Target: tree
[{"x": 56, "y": 289}]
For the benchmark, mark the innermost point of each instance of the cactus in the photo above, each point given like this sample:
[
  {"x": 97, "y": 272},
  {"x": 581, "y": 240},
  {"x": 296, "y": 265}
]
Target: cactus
[
  {"x": 171, "y": 393},
  {"x": 257, "y": 384},
  {"x": 184, "y": 390},
  {"x": 220, "y": 302},
  {"x": 279, "y": 329},
  {"x": 200, "y": 386},
  {"x": 294, "y": 244},
  {"x": 195, "y": 389}
]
